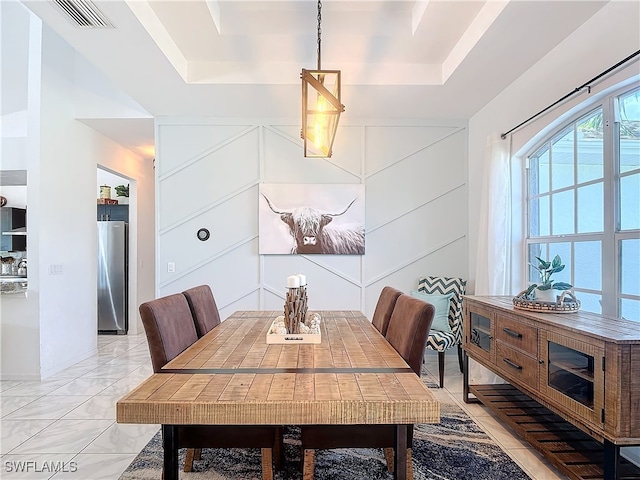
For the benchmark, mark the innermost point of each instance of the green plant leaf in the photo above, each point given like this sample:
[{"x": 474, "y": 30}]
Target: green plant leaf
[
  {"x": 557, "y": 269},
  {"x": 543, "y": 263},
  {"x": 562, "y": 286},
  {"x": 556, "y": 262},
  {"x": 545, "y": 286}
]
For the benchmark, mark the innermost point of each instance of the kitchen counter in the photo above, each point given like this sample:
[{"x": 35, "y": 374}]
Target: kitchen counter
[{"x": 12, "y": 284}]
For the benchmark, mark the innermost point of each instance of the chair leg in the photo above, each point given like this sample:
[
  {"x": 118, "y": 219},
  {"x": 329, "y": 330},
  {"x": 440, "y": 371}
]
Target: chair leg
[
  {"x": 441, "y": 368},
  {"x": 388, "y": 455},
  {"x": 308, "y": 464},
  {"x": 188, "y": 460},
  {"x": 197, "y": 454},
  {"x": 267, "y": 463},
  {"x": 278, "y": 449},
  {"x": 460, "y": 358}
]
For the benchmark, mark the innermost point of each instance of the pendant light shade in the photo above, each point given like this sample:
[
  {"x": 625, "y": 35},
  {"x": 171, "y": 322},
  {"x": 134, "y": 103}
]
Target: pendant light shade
[
  {"x": 321, "y": 106},
  {"x": 321, "y": 109}
]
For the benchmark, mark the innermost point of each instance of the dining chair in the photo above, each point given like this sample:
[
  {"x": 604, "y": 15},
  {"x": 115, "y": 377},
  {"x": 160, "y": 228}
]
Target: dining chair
[
  {"x": 407, "y": 333},
  {"x": 203, "y": 308},
  {"x": 384, "y": 307},
  {"x": 170, "y": 330},
  {"x": 443, "y": 340}
]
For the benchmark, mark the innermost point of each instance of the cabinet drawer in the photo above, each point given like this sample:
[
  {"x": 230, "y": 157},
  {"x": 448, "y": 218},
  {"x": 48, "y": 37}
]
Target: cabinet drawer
[
  {"x": 517, "y": 365},
  {"x": 522, "y": 337}
]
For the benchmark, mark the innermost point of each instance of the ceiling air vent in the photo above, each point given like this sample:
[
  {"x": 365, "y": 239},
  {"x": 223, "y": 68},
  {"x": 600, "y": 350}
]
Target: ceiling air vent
[{"x": 83, "y": 13}]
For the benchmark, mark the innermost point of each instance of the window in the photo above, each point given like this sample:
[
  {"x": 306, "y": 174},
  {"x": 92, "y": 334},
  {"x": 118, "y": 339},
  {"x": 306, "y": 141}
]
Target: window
[{"x": 584, "y": 204}]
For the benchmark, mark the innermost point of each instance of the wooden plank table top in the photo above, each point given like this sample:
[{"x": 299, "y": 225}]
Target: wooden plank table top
[{"x": 232, "y": 377}]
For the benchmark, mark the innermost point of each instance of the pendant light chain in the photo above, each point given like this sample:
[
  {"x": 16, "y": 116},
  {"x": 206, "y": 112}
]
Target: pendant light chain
[{"x": 319, "y": 30}]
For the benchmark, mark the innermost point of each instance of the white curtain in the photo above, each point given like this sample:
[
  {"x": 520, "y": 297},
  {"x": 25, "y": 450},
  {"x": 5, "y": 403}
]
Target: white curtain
[{"x": 493, "y": 258}]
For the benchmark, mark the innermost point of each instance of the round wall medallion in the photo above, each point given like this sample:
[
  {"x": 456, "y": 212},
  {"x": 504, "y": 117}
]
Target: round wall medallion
[{"x": 203, "y": 234}]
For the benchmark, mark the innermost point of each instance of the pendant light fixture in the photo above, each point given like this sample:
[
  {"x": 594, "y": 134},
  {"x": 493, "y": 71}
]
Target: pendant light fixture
[{"x": 321, "y": 105}]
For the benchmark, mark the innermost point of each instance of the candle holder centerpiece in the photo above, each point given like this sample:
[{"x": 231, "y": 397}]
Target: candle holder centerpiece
[{"x": 297, "y": 325}]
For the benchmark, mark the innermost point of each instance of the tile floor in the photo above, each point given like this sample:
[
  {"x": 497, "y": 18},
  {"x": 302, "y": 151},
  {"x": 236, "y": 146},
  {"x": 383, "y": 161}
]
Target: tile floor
[{"x": 68, "y": 421}]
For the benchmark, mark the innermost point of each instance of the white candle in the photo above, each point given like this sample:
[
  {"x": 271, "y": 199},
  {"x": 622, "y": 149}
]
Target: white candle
[
  {"x": 293, "y": 281},
  {"x": 303, "y": 279}
]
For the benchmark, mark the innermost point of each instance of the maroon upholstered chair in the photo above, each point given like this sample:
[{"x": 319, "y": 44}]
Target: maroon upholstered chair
[
  {"x": 384, "y": 307},
  {"x": 203, "y": 308},
  {"x": 408, "y": 330},
  {"x": 170, "y": 330}
]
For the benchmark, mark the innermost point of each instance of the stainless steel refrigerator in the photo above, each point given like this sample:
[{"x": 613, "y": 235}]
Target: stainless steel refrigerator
[{"x": 113, "y": 278}]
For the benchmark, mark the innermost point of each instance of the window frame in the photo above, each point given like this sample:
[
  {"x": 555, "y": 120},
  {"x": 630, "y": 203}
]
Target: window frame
[{"x": 610, "y": 236}]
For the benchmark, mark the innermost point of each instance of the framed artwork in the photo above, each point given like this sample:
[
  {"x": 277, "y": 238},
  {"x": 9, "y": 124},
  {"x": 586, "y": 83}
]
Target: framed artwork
[{"x": 311, "y": 219}]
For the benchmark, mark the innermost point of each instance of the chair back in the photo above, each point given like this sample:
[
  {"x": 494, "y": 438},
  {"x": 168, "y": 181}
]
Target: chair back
[
  {"x": 445, "y": 286},
  {"x": 409, "y": 329},
  {"x": 203, "y": 308},
  {"x": 169, "y": 327},
  {"x": 384, "y": 307}
]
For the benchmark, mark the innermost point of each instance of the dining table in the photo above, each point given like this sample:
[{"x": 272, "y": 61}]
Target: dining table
[{"x": 232, "y": 376}]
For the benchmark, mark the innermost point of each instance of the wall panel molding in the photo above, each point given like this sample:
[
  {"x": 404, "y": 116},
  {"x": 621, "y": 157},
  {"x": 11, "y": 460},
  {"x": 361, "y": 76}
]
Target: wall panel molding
[{"x": 414, "y": 172}]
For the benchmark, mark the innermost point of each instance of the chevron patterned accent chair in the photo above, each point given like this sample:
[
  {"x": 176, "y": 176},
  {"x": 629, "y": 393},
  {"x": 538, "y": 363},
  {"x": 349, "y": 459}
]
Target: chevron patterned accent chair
[{"x": 442, "y": 341}]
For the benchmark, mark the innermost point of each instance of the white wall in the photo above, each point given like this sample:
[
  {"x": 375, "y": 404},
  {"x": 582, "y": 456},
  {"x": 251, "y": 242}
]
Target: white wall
[
  {"x": 209, "y": 170},
  {"x": 55, "y": 324}
]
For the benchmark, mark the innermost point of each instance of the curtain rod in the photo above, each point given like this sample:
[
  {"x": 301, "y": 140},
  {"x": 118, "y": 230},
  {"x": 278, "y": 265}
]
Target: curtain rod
[{"x": 576, "y": 90}]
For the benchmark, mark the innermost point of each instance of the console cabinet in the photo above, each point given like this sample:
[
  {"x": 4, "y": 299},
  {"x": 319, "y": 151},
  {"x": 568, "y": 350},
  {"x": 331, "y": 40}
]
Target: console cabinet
[{"x": 581, "y": 366}]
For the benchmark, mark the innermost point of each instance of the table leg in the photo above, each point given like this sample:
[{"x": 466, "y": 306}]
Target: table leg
[
  {"x": 465, "y": 379},
  {"x": 611, "y": 460},
  {"x": 170, "y": 440},
  {"x": 400, "y": 453}
]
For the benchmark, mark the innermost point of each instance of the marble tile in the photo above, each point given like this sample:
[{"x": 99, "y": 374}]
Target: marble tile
[
  {"x": 113, "y": 349},
  {"x": 36, "y": 387},
  {"x": 134, "y": 359},
  {"x": 110, "y": 371},
  {"x": 5, "y": 385},
  {"x": 72, "y": 372},
  {"x": 473, "y": 409},
  {"x": 97, "y": 467},
  {"x": 123, "y": 438},
  {"x": 96, "y": 408},
  {"x": 84, "y": 386},
  {"x": 14, "y": 432},
  {"x": 11, "y": 404},
  {"x": 535, "y": 465},
  {"x": 35, "y": 466},
  {"x": 64, "y": 436},
  {"x": 121, "y": 387},
  {"x": 47, "y": 407},
  {"x": 500, "y": 432}
]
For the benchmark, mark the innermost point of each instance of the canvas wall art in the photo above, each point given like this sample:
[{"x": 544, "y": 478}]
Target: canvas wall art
[{"x": 311, "y": 219}]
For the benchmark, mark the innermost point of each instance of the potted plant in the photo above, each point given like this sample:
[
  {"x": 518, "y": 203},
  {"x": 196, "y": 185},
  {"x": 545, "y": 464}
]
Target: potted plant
[
  {"x": 545, "y": 290},
  {"x": 122, "y": 190}
]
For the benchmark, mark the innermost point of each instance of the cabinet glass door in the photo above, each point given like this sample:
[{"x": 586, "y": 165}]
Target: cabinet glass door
[
  {"x": 572, "y": 374},
  {"x": 481, "y": 332}
]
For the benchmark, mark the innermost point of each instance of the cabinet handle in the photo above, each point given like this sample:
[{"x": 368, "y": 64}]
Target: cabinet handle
[
  {"x": 511, "y": 332},
  {"x": 512, "y": 364}
]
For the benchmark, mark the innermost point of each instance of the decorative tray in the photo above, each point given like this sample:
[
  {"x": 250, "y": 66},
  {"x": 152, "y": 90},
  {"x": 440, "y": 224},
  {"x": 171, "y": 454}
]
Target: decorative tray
[
  {"x": 566, "y": 303},
  {"x": 292, "y": 338}
]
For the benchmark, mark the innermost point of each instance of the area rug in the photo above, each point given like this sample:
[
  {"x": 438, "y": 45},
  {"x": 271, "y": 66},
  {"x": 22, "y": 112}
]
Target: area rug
[{"x": 455, "y": 449}]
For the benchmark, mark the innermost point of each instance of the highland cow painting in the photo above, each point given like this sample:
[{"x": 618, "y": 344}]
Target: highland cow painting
[{"x": 311, "y": 219}]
